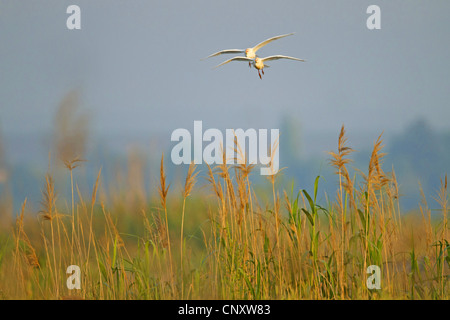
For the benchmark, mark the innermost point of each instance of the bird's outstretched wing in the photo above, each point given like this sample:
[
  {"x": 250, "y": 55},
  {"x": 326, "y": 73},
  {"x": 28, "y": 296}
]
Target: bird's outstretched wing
[
  {"x": 280, "y": 57},
  {"x": 225, "y": 52},
  {"x": 262, "y": 44},
  {"x": 234, "y": 59}
]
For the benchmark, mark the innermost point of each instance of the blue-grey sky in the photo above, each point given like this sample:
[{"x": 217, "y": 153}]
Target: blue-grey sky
[{"x": 137, "y": 65}]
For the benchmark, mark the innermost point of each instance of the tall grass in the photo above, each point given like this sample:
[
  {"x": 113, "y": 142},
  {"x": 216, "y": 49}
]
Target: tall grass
[{"x": 230, "y": 241}]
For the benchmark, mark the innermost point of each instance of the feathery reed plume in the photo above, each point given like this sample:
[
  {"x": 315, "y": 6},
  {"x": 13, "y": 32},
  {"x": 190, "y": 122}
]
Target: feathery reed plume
[
  {"x": 273, "y": 173},
  {"x": 71, "y": 130},
  {"x": 376, "y": 176},
  {"x": 242, "y": 192},
  {"x": 160, "y": 232},
  {"x": 242, "y": 172},
  {"x": 70, "y": 141},
  {"x": 155, "y": 230},
  {"x": 149, "y": 228},
  {"x": 49, "y": 199},
  {"x": 222, "y": 171},
  {"x": 217, "y": 187},
  {"x": 163, "y": 190},
  {"x": 241, "y": 159},
  {"x": 115, "y": 234},
  {"x": 218, "y": 190},
  {"x": 374, "y": 180},
  {"x": 190, "y": 180},
  {"x": 339, "y": 161},
  {"x": 189, "y": 184},
  {"x": 21, "y": 237}
]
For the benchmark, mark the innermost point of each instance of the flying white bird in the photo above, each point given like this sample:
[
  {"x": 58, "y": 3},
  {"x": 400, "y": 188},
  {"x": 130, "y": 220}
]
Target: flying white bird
[
  {"x": 258, "y": 63},
  {"x": 249, "y": 52}
]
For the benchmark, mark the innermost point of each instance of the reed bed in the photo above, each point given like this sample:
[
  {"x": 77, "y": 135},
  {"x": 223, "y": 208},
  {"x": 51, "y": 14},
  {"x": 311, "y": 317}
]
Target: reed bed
[{"x": 224, "y": 240}]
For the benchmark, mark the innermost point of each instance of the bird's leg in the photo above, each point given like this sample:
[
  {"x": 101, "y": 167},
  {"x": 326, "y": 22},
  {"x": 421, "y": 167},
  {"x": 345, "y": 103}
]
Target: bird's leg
[
  {"x": 259, "y": 75},
  {"x": 262, "y": 71},
  {"x": 249, "y": 64}
]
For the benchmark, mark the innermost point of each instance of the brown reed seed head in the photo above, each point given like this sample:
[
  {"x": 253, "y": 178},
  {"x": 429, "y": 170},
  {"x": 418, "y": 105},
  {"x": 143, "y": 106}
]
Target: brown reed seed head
[
  {"x": 339, "y": 160},
  {"x": 241, "y": 159},
  {"x": 163, "y": 190},
  {"x": 217, "y": 187},
  {"x": 71, "y": 131},
  {"x": 48, "y": 199},
  {"x": 190, "y": 180},
  {"x": 376, "y": 176}
]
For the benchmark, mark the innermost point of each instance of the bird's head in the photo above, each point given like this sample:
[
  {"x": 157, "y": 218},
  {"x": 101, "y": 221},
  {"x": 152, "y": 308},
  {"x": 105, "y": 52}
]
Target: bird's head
[{"x": 250, "y": 53}]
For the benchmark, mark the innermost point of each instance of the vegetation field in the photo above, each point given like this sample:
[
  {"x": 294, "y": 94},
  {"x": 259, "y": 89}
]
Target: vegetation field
[{"x": 219, "y": 236}]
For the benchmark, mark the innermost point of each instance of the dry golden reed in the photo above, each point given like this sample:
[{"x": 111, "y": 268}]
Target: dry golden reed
[{"x": 241, "y": 243}]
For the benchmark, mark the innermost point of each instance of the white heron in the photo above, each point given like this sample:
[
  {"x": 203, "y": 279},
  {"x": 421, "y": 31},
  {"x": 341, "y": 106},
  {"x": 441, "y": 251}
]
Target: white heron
[
  {"x": 259, "y": 63},
  {"x": 249, "y": 52}
]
